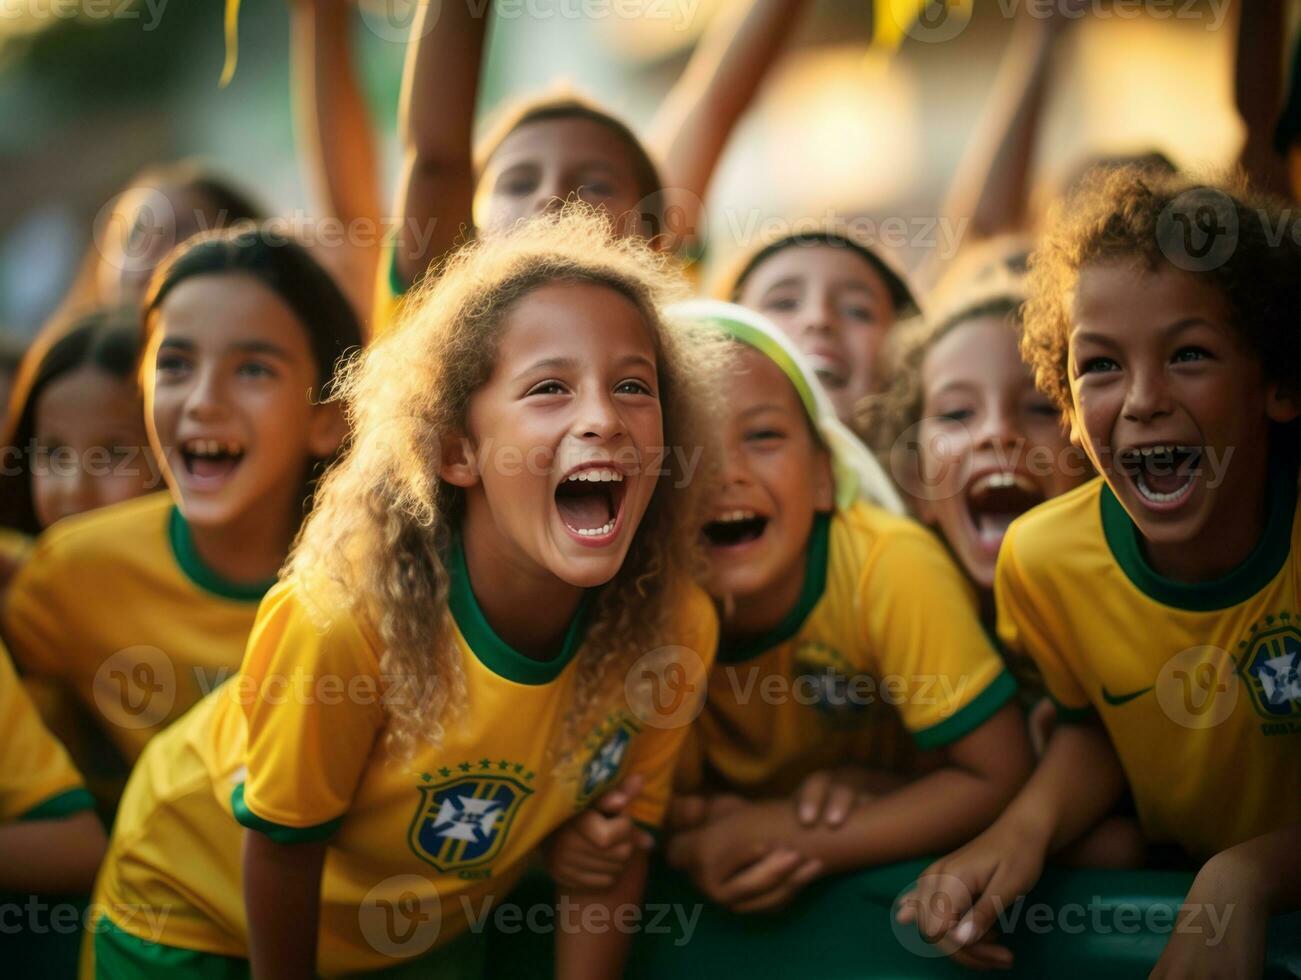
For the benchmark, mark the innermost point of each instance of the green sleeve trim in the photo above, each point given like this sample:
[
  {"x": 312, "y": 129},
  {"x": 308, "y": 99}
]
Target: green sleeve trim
[
  {"x": 279, "y": 832},
  {"x": 1073, "y": 716},
  {"x": 63, "y": 804},
  {"x": 970, "y": 717}
]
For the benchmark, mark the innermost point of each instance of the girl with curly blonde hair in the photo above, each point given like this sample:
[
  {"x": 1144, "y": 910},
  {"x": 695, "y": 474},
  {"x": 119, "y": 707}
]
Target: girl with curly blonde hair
[{"x": 487, "y": 622}]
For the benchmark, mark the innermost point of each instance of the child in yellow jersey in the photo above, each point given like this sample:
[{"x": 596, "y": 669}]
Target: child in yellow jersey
[
  {"x": 143, "y": 607},
  {"x": 968, "y": 438},
  {"x": 1160, "y": 599},
  {"x": 459, "y": 655},
  {"x": 50, "y": 838},
  {"x": 836, "y": 616}
]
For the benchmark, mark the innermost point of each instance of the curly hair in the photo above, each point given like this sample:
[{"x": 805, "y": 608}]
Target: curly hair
[
  {"x": 377, "y": 541},
  {"x": 1125, "y": 216}
]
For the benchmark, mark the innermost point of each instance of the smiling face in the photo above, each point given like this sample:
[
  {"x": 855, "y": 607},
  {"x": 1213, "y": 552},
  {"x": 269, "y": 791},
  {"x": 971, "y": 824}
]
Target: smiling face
[
  {"x": 227, "y": 399},
  {"x": 542, "y": 163},
  {"x": 836, "y": 308},
  {"x": 1172, "y": 408},
  {"x": 775, "y": 478},
  {"x": 982, "y": 419},
  {"x": 91, "y": 445},
  {"x": 565, "y": 438}
]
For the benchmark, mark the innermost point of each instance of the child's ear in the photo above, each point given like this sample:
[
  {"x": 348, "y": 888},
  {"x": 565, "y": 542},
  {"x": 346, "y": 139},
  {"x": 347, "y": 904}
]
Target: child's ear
[
  {"x": 824, "y": 483},
  {"x": 458, "y": 465},
  {"x": 1281, "y": 406},
  {"x": 326, "y": 430}
]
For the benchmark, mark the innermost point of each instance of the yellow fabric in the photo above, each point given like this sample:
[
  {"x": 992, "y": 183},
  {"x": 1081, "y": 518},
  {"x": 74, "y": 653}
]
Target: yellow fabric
[
  {"x": 309, "y": 759},
  {"x": 34, "y": 768},
  {"x": 894, "y": 637},
  {"x": 13, "y": 548},
  {"x": 1208, "y": 766},
  {"x": 103, "y": 606}
]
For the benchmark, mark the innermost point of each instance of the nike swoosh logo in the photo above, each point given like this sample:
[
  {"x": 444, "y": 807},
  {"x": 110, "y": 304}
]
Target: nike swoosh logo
[{"x": 1118, "y": 699}]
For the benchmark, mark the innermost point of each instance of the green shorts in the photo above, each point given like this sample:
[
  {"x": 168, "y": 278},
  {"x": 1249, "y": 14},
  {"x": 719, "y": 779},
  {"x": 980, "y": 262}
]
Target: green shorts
[{"x": 122, "y": 956}]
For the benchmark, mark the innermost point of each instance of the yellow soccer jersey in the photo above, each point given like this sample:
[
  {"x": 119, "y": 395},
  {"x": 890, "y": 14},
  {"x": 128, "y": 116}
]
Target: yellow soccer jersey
[
  {"x": 37, "y": 779},
  {"x": 1198, "y": 685},
  {"x": 14, "y": 546},
  {"x": 440, "y": 833},
  {"x": 886, "y": 630},
  {"x": 117, "y": 605}
]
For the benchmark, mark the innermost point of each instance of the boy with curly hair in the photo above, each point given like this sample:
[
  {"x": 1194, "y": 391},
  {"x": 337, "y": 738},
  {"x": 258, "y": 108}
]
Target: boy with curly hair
[{"x": 1162, "y": 601}]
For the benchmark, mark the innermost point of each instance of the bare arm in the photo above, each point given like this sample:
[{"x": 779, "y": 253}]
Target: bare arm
[
  {"x": 599, "y": 954},
  {"x": 436, "y": 126},
  {"x": 282, "y": 895},
  {"x": 696, "y": 119},
  {"x": 1258, "y": 91},
  {"x": 991, "y": 186},
  {"x": 44, "y": 856}
]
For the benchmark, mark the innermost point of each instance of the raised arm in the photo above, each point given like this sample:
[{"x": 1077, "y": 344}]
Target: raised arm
[
  {"x": 991, "y": 186},
  {"x": 335, "y": 134},
  {"x": 693, "y": 125},
  {"x": 1258, "y": 91},
  {"x": 436, "y": 126}
]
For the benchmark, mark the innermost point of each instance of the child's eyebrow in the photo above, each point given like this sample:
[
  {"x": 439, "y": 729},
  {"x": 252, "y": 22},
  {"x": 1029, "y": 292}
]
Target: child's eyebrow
[
  {"x": 261, "y": 347},
  {"x": 761, "y": 408},
  {"x": 956, "y": 384},
  {"x": 783, "y": 283},
  {"x": 176, "y": 342},
  {"x": 547, "y": 364}
]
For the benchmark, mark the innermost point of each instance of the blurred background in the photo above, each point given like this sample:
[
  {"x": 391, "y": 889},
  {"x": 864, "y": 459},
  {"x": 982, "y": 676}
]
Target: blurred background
[{"x": 93, "y": 90}]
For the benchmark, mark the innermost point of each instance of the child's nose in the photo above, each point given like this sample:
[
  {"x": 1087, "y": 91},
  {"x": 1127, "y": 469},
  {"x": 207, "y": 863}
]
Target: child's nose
[
  {"x": 1147, "y": 396},
  {"x": 207, "y": 396},
  {"x": 599, "y": 418}
]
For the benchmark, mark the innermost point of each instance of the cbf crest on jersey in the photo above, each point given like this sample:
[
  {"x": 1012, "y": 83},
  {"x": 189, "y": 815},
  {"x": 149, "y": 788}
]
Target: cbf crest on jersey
[
  {"x": 464, "y": 822},
  {"x": 602, "y": 769},
  {"x": 1272, "y": 667}
]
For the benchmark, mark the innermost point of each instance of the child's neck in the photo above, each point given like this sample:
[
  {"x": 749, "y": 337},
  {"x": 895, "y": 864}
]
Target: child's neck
[
  {"x": 744, "y": 617},
  {"x": 528, "y": 608},
  {"x": 1228, "y": 536},
  {"x": 249, "y": 549}
]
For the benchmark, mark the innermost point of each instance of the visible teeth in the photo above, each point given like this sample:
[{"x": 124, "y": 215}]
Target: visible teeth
[
  {"x": 1160, "y": 498},
  {"x": 593, "y": 532},
  {"x": 733, "y": 516},
  {"x": 212, "y": 447},
  {"x": 596, "y": 475},
  {"x": 1001, "y": 480}
]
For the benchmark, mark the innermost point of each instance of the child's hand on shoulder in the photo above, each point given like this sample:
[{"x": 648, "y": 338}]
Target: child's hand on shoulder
[
  {"x": 590, "y": 852},
  {"x": 738, "y": 859},
  {"x": 1198, "y": 951}
]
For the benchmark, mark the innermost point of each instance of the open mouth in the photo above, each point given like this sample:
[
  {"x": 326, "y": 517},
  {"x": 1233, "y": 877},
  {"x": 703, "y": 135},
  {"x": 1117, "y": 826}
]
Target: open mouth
[
  {"x": 830, "y": 371},
  {"x": 1163, "y": 475},
  {"x": 995, "y": 500},
  {"x": 736, "y": 527},
  {"x": 210, "y": 462},
  {"x": 590, "y": 499}
]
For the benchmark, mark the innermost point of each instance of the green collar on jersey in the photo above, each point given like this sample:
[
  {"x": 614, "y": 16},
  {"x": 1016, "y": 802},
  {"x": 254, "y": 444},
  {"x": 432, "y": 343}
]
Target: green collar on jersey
[
  {"x": 815, "y": 583},
  {"x": 1235, "y": 587},
  {"x": 494, "y": 652},
  {"x": 192, "y": 564}
]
